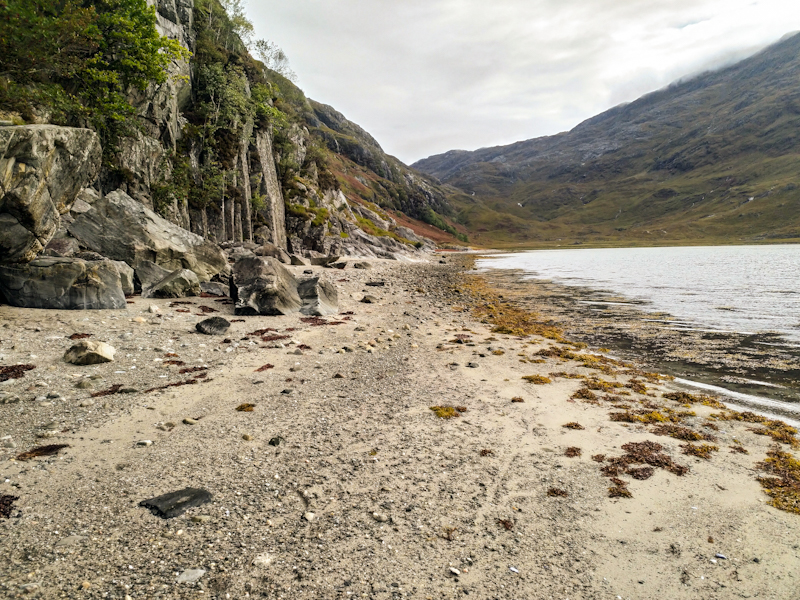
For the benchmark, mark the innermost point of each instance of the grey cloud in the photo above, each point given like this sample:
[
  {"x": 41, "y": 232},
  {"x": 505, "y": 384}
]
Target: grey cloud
[{"x": 427, "y": 76}]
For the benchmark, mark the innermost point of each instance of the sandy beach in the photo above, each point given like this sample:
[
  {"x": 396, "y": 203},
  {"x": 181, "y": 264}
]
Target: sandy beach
[{"x": 341, "y": 482}]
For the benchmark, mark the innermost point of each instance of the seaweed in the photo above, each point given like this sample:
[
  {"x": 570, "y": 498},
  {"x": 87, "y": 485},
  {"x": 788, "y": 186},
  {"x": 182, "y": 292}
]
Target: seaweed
[
  {"x": 619, "y": 489},
  {"x": 555, "y": 492},
  {"x": 573, "y": 452},
  {"x": 564, "y": 375},
  {"x": 702, "y": 451},
  {"x": 517, "y": 399},
  {"x": 487, "y": 452},
  {"x": 599, "y": 457},
  {"x": 6, "y": 504},
  {"x": 784, "y": 487},
  {"x": 14, "y": 371},
  {"x": 601, "y": 385},
  {"x": 177, "y": 363},
  {"x": 172, "y": 385},
  {"x": 274, "y": 338},
  {"x": 49, "y": 450},
  {"x": 319, "y": 322},
  {"x": 507, "y": 524},
  {"x": 682, "y": 433},
  {"x": 537, "y": 379},
  {"x": 80, "y": 336},
  {"x": 192, "y": 370},
  {"x": 206, "y": 309},
  {"x": 640, "y": 473},
  {"x": 246, "y": 407},
  {"x": 584, "y": 394},
  {"x": 445, "y": 412},
  {"x": 739, "y": 450},
  {"x": 779, "y": 431},
  {"x": 114, "y": 389},
  {"x": 260, "y": 332},
  {"x": 264, "y": 368},
  {"x": 573, "y": 425}
]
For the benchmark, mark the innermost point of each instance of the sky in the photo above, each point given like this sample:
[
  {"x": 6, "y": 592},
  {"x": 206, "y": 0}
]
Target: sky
[{"x": 428, "y": 76}]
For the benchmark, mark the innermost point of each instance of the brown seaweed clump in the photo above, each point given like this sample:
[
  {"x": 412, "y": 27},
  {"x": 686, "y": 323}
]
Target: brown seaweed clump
[
  {"x": 555, "y": 492},
  {"x": 487, "y": 452},
  {"x": 246, "y": 407},
  {"x": 445, "y": 412},
  {"x": 507, "y": 524},
  {"x": 573, "y": 425},
  {"x": 48, "y": 450},
  {"x": 14, "y": 371},
  {"x": 783, "y": 487},
  {"x": 619, "y": 489},
  {"x": 702, "y": 451},
  {"x": 537, "y": 379},
  {"x": 573, "y": 452},
  {"x": 682, "y": 433},
  {"x": 517, "y": 399}
]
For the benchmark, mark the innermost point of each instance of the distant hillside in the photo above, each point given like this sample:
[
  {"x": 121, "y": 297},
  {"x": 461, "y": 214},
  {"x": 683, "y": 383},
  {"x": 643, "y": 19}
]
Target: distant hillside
[{"x": 712, "y": 159}]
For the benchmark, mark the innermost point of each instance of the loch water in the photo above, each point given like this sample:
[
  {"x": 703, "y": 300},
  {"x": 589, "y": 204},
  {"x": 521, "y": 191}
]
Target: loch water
[{"x": 710, "y": 291}]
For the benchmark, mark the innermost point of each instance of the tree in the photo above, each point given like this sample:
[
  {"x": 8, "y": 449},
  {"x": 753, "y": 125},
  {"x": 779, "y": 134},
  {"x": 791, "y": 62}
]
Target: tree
[{"x": 274, "y": 58}]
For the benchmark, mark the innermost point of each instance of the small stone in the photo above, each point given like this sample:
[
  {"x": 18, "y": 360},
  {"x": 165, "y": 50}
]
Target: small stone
[
  {"x": 201, "y": 519},
  {"x": 262, "y": 560},
  {"x": 309, "y": 516},
  {"x": 7, "y": 442},
  {"x": 86, "y": 585},
  {"x": 286, "y": 392},
  {"x": 54, "y": 395},
  {"x": 190, "y": 421},
  {"x": 455, "y": 571},
  {"x": 174, "y": 504},
  {"x": 153, "y": 309},
  {"x": 369, "y": 299},
  {"x": 84, "y": 384},
  {"x": 191, "y": 575},
  {"x": 70, "y": 541},
  {"x": 87, "y": 352},
  {"x": 86, "y": 403},
  {"x": 277, "y": 441},
  {"x": 473, "y": 365},
  {"x": 380, "y": 517},
  {"x": 6, "y": 398},
  {"x": 29, "y": 588},
  {"x": 213, "y": 326},
  {"x": 247, "y": 438},
  {"x": 144, "y": 443}
]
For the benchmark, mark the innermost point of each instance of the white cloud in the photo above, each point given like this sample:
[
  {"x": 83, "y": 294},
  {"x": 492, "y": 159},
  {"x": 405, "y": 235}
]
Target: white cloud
[{"x": 427, "y": 76}]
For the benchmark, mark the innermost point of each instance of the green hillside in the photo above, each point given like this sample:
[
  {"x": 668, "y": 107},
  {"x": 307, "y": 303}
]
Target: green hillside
[{"x": 714, "y": 159}]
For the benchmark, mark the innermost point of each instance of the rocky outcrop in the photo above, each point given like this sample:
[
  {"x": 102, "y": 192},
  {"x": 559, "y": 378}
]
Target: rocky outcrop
[
  {"x": 42, "y": 169},
  {"x": 263, "y": 286},
  {"x": 121, "y": 228},
  {"x": 179, "y": 284},
  {"x": 320, "y": 297},
  {"x": 273, "y": 213},
  {"x": 67, "y": 284}
]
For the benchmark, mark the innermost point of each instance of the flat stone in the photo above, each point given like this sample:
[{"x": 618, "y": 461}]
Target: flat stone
[
  {"x": 201, "y": 519},
  {"x": 309, "y": 516},
  {"x": 369, "y": 299},
  {"x": 380, "y": 517},
  {"x": 188, "y": 421},
  {"x": 191, "y": 575},
  {"x": 213, "y": 326},
  {"x": 174, "y": 504},
  {"x": 70, "y": 541},
  {"x": 277, "y": 441}
]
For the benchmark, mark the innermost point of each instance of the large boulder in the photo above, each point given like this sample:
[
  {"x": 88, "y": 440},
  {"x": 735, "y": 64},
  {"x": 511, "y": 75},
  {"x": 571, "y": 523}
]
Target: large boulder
[
  {"x": 320, "y": 297},
  {"x": 263, "y": 286},
  {"x": 67, "y": 284},
  {"x": 272, "y": 250},
  {"x": 121, "y": 228},
  {"x": 87, "y": 352},
  {"x": 179, "y": 284},
  {"x": 149, "y": 273},
  {"x": 42, "y": 169}
]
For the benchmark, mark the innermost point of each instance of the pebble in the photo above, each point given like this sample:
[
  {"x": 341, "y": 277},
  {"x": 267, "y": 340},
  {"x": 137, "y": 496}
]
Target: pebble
[
  {"x": 144, "y": 443},
  {"x": 191, "y": 575},
  {"x": 455, "y": 571},
  {"x": 86, "y": 384},
  {"x": 7, "y": 442},
  {"x": 153, "y": 309},
  {"x": 309, "y": 516},
  {"x": 190, "y": 421},
  {"x": 262, "y": 560},
  {"x": 380, "y": 517},
  {"x": 87, "y": 402},
  {"x": 247, "y": 438},
  {"x": 201, "y": 519}
]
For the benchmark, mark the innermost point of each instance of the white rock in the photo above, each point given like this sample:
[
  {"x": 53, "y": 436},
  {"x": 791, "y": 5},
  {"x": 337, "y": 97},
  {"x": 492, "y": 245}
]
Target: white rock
[
  {"x": 262, "y": 560},
  {"x": 144, "y": 443},
  {"x": 309, "y": 516},
  {"x": 191, "y": 575}
]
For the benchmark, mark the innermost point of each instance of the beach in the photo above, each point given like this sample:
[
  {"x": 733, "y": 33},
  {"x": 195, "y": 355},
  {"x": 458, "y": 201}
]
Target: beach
[{"x": 340, "y": 481}]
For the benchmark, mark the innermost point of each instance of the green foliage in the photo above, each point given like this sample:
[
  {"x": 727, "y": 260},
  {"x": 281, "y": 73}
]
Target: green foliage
[
  {"x": 76, "y": 60},
  {"x": 322, "y": 217},
  {"x": 431, "y": 218}
]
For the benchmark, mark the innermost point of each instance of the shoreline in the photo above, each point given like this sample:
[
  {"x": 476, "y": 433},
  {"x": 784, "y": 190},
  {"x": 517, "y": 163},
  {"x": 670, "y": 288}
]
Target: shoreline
[{"x": 365, "y": 492}]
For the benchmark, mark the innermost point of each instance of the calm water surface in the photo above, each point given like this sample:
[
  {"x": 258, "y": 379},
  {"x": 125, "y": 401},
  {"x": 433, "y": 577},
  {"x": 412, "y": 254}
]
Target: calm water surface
[{"x": 745, "y": 289}]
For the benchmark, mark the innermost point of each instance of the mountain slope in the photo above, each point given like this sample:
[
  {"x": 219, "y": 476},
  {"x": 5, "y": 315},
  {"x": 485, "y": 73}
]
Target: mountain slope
[{"x": 713, "y": 159}]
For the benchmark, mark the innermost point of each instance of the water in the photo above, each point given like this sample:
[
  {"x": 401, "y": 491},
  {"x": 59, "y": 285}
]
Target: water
[{"x": 743, "y": 289}]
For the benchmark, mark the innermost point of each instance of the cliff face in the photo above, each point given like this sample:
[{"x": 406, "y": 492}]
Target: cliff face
[{"x": 288, "y": 173}]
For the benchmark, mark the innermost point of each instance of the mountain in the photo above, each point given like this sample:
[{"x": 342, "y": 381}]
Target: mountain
[{"x": 712, "y": 159}]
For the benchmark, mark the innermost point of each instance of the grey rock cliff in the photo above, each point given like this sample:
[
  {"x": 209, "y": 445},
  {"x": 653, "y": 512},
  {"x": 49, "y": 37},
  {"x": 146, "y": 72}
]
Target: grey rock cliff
[{"x": 42, "y": 169}]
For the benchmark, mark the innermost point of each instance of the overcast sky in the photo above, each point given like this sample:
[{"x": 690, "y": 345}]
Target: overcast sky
[{"x": 427, "y": 76}]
